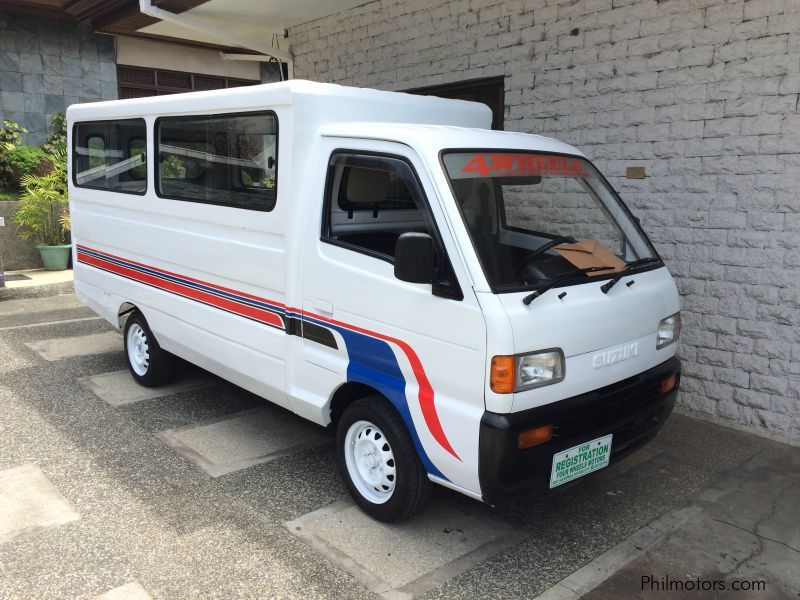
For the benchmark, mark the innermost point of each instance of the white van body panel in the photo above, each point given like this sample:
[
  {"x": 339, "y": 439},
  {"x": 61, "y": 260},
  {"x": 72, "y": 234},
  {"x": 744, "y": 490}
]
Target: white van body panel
[
  {"x": 228, "y": 289},
  {"x": 586, "y": 323}
]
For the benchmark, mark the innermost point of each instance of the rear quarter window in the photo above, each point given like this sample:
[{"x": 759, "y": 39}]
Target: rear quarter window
[{"x": 110, "y": 155}]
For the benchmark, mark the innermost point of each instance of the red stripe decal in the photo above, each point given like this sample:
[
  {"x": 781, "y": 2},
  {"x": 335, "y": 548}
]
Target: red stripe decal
[
  {"x": 171, "y": 274},
  {"x": 426, "y": 396},
  {"x": 247, "y": 311}
]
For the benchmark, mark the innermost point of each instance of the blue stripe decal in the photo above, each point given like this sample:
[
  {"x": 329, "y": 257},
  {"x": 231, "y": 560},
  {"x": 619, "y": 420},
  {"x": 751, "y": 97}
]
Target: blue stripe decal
[
  {"x": 373, "y": 363},
  {"x": 371, "y": 360}
]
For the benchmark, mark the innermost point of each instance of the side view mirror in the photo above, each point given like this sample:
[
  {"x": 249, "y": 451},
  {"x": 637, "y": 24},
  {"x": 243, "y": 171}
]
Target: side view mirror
[{"x": 415, "y": 258}]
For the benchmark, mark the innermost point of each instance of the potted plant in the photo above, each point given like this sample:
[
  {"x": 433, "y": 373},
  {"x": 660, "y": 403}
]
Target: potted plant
[{"x": 43, "y": 213}]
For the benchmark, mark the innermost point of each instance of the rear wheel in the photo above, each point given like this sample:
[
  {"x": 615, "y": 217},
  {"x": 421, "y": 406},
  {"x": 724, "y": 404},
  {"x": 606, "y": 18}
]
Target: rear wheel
[
  {"x": 378, "y": 460},
  {"x": 149, "y": 365}
]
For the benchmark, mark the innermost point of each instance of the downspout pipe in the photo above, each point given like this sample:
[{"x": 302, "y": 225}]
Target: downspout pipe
[{"x": 147, "y": 8}]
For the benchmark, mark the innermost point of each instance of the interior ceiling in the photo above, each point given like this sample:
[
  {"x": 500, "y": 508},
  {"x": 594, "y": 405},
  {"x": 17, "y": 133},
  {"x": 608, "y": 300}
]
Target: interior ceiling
[{"x": 254, "y": 19}]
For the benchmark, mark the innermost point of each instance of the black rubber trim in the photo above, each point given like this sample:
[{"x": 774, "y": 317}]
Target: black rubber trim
[
  {"x": 633, "y": 410},
  {"x": 318, "y": 334}
]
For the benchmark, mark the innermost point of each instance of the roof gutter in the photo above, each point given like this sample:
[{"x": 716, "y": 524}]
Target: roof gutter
[{"x": 147, "y": 8}]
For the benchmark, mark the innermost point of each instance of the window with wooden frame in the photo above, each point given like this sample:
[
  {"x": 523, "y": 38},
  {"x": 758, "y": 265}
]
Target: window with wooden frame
[{"x": 140, "y": 82}]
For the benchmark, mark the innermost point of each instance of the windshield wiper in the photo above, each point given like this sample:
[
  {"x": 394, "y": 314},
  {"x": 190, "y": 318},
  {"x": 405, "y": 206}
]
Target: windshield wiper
[
  {"x": 541, "y": 289},
  {"x": 640, "y": 262}
]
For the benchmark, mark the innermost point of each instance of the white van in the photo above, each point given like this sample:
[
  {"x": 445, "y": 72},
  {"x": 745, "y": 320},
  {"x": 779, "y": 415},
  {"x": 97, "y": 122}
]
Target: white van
[{"x": 468, "y": 307}]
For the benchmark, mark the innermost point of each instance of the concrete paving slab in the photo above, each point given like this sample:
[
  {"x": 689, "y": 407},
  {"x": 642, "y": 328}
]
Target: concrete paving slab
[
  {"x": 61, "y": 348},
  {"x": 119, "y": 388},
  {"x": 38, "y": 305},
  {"x": 243, "y": 439},
  {"x": 29, "y": 503},
  {"x": 741, "y": 531},
  {"x": 35, "y": 277},
  {"x": 405, "y": 559},
  {"x": 129, "y": 591},
  {"x": 38, "y": 283}
]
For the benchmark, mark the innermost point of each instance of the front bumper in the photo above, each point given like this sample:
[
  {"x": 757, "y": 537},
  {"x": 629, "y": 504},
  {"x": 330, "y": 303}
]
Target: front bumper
[{"x": 632, "y": 409}]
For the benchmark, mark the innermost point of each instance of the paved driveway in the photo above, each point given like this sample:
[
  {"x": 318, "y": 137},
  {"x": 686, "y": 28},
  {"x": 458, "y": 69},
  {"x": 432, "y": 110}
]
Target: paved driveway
[{"x": 202, "y": 490}]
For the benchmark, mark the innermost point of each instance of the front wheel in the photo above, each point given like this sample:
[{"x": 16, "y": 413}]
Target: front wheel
[
  {"x": 149, "y": 364},
  {"x": 378, "y": 460}
]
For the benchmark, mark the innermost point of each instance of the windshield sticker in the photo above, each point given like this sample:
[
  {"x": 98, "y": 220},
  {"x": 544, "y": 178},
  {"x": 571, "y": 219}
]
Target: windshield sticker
[{"x": 505, "y": 165}]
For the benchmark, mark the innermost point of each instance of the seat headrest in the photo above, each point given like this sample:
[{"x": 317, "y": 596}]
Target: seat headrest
[{"x": 367, "y": 186}]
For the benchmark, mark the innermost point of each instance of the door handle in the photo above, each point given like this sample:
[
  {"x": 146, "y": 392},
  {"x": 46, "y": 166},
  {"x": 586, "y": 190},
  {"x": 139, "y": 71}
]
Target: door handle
[{"x": 323, "y": 306}]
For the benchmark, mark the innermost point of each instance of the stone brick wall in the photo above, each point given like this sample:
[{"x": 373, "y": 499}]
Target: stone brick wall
[
  {"x": 15, "y": 253},
  {"x": 701, "y": 93},
  {"x": 47, "y": 65}
]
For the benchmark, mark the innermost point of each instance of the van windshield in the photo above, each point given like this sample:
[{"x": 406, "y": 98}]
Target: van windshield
[{"x": 535, "y": 217}]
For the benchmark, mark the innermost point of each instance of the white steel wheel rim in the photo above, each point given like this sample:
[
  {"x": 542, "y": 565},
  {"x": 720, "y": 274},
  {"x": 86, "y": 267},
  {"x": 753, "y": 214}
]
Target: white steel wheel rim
[
  {"x": 138, "y": 349},
  {"x": 370, "y": 462}
]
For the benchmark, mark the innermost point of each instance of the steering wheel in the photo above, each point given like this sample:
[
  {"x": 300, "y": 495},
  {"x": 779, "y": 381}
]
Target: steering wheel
[{"x": 562, "y": 239}]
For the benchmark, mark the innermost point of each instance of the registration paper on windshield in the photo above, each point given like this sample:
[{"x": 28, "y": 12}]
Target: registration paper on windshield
[{"x": 580, "y": 460}]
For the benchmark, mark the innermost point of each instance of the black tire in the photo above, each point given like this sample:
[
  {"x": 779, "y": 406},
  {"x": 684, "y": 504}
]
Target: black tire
[
  {"x": 160, "y": 364},
  {"x": 412, "y": 487}
]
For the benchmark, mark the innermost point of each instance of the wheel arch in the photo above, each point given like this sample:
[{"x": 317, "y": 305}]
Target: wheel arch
[
  {"x": 125, "y": 309},
  {"x": 346, "y": 394}
]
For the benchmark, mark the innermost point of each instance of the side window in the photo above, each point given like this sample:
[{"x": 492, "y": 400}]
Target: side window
[
  {"x": 229, "y": 160},
  {"x": 370, "y": 201},
  {"x": 110, "y": 155}
]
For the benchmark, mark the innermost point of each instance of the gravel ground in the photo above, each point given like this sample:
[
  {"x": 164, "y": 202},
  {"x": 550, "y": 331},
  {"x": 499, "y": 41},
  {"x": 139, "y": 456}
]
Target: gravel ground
[{"x": 149, "y": 515}]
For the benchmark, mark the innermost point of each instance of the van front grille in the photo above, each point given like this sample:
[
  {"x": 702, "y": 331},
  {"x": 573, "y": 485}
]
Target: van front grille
[{"x": 611, "y": 404}]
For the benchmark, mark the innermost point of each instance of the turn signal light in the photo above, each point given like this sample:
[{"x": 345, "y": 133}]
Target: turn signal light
[
  {"x": 501, "y": 379},
  {"x": 533, "y": 437},
  {"x": 669, "y": 383}
]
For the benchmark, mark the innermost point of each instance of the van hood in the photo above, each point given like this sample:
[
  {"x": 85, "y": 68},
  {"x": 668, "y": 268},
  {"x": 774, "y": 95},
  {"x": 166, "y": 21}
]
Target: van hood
[
  {"x": 605, "y": 337},
  {"x": 586, "y": 319}
]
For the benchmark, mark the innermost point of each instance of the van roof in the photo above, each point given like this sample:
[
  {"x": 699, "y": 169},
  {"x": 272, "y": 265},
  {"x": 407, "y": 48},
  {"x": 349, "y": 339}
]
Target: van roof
[
  {"x": 319, "y": 102},
  {"x": 442, "y": 137}
]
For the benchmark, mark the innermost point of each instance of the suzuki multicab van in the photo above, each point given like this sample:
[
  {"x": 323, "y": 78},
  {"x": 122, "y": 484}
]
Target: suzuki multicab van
[{"x": 466, "y": 307}]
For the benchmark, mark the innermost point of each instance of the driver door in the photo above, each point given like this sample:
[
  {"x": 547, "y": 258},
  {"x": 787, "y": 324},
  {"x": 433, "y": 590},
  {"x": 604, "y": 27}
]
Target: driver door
[{"x": 426, "y": 353}]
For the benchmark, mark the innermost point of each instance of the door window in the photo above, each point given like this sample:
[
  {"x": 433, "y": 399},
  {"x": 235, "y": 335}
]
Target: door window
[{"x": 370, "y": 201}]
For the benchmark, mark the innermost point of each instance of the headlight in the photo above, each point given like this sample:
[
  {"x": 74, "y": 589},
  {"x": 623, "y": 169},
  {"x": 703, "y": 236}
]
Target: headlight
[
  {"x": 525, "y": 371},
  {"x": 669, "y": 330},
  {"x": 539, "y": 368}
]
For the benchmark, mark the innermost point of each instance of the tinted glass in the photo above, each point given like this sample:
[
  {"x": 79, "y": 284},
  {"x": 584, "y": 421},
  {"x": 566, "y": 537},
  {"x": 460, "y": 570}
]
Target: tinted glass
[
  {"x": 373, "y": 199},
  {"x": 535, "y": 217},
  {"x": 229, "y": 160},
  {"x": 110, "y": 155}
]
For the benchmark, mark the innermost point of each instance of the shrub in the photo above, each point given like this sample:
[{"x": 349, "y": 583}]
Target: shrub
[
  {"x": 10, "y": 138},
  {"x": 57, "y": 140},
  {"x": 25, "y": 160},
  {"x": 43, "y": 210},
  {"x": 10, "y": 135}
]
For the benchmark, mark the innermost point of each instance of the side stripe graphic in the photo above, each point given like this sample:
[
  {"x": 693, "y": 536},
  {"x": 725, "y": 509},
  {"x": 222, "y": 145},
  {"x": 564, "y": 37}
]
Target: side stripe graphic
[
  {"x": 237, "y": 303},
  {"x": 378, "y": 365},
  {"x": 426, "y": 395}
]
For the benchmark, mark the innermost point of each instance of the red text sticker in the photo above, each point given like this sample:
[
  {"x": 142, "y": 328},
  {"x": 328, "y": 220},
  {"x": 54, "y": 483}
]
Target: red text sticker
[{"x": 498, "y": 165}]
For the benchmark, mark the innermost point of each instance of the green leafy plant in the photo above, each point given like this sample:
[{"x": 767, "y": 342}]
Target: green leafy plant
[
  {"x": 43, "y": 210},
  {"x": 10, "y": 138},
  {"x": 57, "y": 140},
  {"x": 10, "y": 135},
  {"x": 25, "y": 160},
  {"x": 172, "y": 167}
]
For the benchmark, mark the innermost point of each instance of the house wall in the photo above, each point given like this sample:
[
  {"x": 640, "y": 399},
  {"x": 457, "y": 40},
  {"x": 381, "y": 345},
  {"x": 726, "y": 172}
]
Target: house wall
[
  {"x": 701, "y": 93},
  {"x": 16, "y": 254},
  {"x": 174, "y": 57},
  {"x": 47, "y": 65}
]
